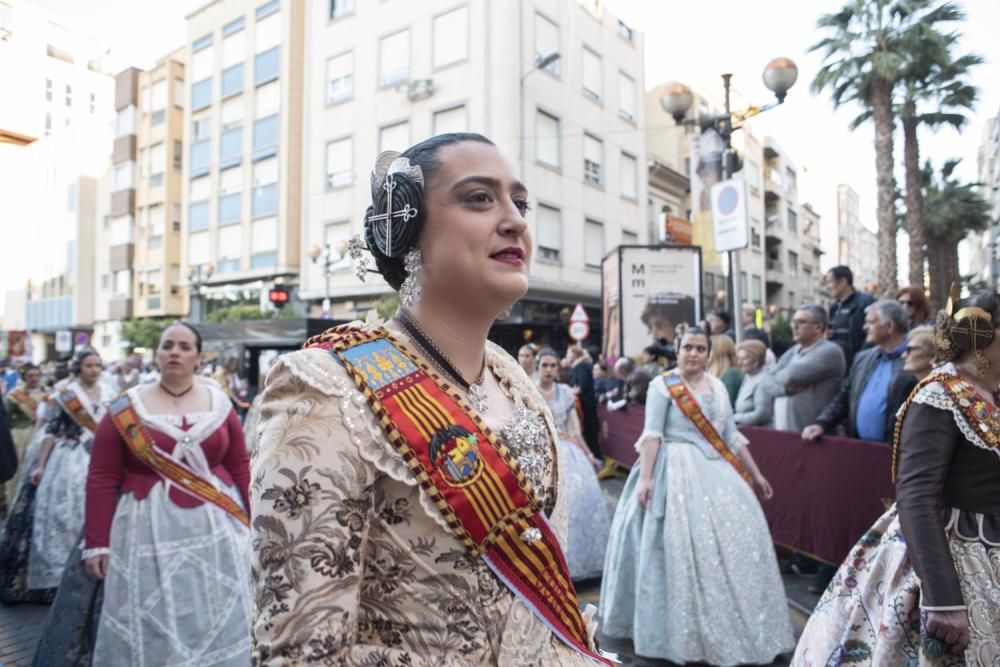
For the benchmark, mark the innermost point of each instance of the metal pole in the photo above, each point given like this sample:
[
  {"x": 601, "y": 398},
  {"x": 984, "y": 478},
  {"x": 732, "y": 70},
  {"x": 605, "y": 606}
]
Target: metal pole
[
  {"x": 327, "y": 264},
  {"x": 735, "y": 298}
]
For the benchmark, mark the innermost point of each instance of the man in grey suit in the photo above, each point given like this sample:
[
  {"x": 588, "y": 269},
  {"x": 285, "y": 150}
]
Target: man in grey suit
[{"x": 808, "y": 375}]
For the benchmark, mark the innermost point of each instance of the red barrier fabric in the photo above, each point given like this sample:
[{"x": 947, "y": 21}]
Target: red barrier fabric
[{"x": 826, "y": 494}]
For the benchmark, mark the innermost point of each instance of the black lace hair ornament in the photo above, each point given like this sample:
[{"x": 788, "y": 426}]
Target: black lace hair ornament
[{"x": 393, "y": 222}]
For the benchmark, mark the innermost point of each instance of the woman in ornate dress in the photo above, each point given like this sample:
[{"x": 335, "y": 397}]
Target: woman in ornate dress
[
  {"x": 589, "y": 521},
  {"x": 166, "y": 529},
  {"x": 691, "y": 574},
  {"x": 61, "y": 470},
  {"x": 922, "y": 587},
  {"x": 22, "y": 407},
  {"x": 407, "y": 499}
]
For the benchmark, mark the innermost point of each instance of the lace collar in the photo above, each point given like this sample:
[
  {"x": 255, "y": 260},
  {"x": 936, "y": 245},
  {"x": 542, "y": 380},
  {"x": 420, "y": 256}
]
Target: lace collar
[
  {"x": 976, "y": 418},
  {"x": 199, "y": 430},
  {"x": 106, "y": 395}
]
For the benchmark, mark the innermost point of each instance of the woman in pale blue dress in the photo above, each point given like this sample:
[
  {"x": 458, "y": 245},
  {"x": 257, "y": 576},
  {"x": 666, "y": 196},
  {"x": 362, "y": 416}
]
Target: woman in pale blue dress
[
  {"x": 589, "y": 520},
  {"x": 691, "y": 574}
]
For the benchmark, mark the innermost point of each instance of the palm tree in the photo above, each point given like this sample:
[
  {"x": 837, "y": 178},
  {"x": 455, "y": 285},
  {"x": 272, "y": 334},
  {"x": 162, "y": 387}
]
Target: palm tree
[
  {"x": 952, "y": 210},
  {"x": 864, "y": 58},
  {"x": 932, "y": 77}
]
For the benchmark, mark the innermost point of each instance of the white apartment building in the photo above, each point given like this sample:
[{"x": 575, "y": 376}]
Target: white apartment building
[
  {"x": 982, "y": 246},
  {"x": 242, "y": 136},
  {"x": 386, "y": 75},
  {"x": 857, "y": 246}
]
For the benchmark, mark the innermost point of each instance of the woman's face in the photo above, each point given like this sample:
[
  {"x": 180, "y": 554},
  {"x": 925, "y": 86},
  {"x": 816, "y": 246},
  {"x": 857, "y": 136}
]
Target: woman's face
[
  {"x": 746, "y": 361},
  {"x": 526, "y": 358},
  {"x": 693, "y": 355},
  {"x": 90, "y": 369},
  {"x": 476, "y": 245},
  {"x": 177, "y": 354},
  {"x": 548, "y": 369}
]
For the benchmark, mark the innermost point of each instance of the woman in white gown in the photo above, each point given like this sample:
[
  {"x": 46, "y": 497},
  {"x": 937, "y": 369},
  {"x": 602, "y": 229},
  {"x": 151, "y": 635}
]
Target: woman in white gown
[
  {"x": 691, "y": 574},
  {"x": 61, "y": 470},
  {"x": 589, "y": 520}
]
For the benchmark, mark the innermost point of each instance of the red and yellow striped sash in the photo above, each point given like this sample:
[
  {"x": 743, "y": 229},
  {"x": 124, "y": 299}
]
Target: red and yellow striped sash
[
  {"x": 77, "y": 411},
  {"x": 689, "y": 406},
  {"x": 472, "y": 478},
  {"x": 139, "y": 441}
]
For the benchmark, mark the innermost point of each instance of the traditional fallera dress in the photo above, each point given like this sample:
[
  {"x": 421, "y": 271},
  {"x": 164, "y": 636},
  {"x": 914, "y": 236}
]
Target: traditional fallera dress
[
  {"x": 22, "y": 410},
  {"x": 589, "y": 518},
  {"x": 936, "y": 548},
  {"x": 177, "y": 590},
  {"x": 360, "y": 555},
  {"x": 694, "y": 577},
  {"x": 59, "y": 503}
]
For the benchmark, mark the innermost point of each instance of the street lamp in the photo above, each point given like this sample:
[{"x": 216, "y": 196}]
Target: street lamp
[
  {"x": 331, "y": 256},
  {"x": 197, "y": 276},
  {"x": 779, "y": 76}
]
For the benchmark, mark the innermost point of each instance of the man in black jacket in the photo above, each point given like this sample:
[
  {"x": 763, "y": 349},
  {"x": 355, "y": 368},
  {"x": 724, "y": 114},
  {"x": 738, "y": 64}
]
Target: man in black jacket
[{"x": 847, "y": 313}]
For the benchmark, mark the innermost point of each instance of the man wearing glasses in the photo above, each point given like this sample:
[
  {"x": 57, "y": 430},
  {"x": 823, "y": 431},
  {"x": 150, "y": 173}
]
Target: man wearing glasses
[{"x": 808, "y": 375}]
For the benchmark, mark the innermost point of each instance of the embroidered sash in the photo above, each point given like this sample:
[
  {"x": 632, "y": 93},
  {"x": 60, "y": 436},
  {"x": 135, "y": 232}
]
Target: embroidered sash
[
  {"x": 27, "y": 404},
  {"x": 77, "y": 411},
  {"x": 139, "y": 441},
  {"x": 689, "y": 406},
  {"x": 982, "y": 417},
  {"x": 473, "y": 479}
]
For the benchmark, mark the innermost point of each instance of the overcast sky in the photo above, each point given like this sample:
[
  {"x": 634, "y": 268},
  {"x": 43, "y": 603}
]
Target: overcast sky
[{"x": 693, "y": 42}]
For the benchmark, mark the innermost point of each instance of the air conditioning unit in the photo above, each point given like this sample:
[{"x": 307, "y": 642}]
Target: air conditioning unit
[{"x": 419, "y": 89}]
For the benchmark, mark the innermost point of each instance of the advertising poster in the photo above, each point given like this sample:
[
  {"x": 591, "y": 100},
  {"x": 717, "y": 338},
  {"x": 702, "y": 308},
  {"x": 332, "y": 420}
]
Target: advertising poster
[
  {"x": 660, "y": 289},
  {"x": 706, "y": 171},
  {"x": 611, "y": 306}
]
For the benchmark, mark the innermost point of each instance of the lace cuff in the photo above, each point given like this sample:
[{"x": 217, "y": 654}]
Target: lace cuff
[{"x": 97, "y": 551}]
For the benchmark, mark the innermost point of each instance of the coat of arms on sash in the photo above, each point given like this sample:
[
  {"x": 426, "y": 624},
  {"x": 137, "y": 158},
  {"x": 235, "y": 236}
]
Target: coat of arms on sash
[{"x": 455, "y": 452}]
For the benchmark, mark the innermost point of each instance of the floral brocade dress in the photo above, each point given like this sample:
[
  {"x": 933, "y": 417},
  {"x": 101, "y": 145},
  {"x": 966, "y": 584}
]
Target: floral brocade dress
[
  {"x": 353, "y": 563},
  {"x": 936, "y": 548}
]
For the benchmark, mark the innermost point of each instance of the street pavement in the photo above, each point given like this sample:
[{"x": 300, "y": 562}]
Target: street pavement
[{"x": 21, "y": 625}]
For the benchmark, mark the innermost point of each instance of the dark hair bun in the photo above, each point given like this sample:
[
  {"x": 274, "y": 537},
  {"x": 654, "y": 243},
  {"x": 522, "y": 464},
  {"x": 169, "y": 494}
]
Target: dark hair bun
[
  {"x": 971, "y": 328},
  {"x": 394, "y": 236}
]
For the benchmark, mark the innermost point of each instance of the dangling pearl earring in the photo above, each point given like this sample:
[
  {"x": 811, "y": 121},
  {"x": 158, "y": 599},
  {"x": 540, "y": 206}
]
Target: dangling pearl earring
[{"x": 409, "y": 291}]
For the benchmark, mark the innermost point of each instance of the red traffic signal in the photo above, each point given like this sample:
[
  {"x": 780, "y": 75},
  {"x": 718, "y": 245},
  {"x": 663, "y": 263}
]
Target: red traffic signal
[{"x": 278, "y": 296}]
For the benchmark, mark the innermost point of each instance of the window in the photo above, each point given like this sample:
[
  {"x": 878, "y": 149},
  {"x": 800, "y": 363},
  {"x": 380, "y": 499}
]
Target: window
[
  {"x": 752, "y": 172},
  {"x": 268, "y": 8},
  {"x": 200, "y": 189},
  {"x": 455, "y": 119},
  {"x": 230, "y": 148},
  {"x": 793, "y": 221},
  {"x": 265, "y": 66},
  {"x": 629, "y": 177},
  {"x": 394, "y": 137},
  {"x": 230, "y": 181},
  {"x": 179, "y": 93},
  {"x": 265, "y": 137},
  {"x": 178, "y": 153},
  {"x": 201, "y": 158},
  {"x": 201, "y": 128},
  {"x": 592, "y": 77},
  {"x": 69, "y": 95},
  {"x": 629, "y": 238},
  {"x": 48, "y": 90},
  {"x": 230, "y": 209},
  {"x": 121, "y": 230},
  {"x": 593, "y": 160},
  {"x": 264, "y": 244},
  {"x": 231, "y": 114},
  {"x": 265, "y": 188},
  {"x": 267, "y": 33},
  {"x": 337, "y": 234},
  {"x": 593, "y": 244},
  {"x": 156, "y": 221},
  {"x": 124, "y": 175},
  {"x": 234, "y": 48},
  {"x": 158, "y": 101},
  {"x": 266, "y": 100},
  {"x": 48, "y": 122},
  {"x": 201, "y": 94},
  {"x": 145, "y": 99},
  {"x": 232, "y": 80},
  {"x": 123, "y": 284},
  {"x": 451, "y": 37},
  {"x": 198, "y": 249},
  {"x": 756, "y": 290},
  {"x": 626, "y": 96},
  {"x": 157, "y": 164},
  {"x": 547, "y": 139},
  {"x": 93, "y": 103},
  {"x": 624, "y": 31},
  {"x": 793, "y": 262},
  {"x": 202, "y": 42},
  {"x": 339, "y": 8},
  {"x": 198, "y": 215},
  {"x": 339, "y": 163},
  {"x": 125, "y": 122},
  {"x": 233, "y": 27},
  {"x": 105, "y": 281},
  {"x": 202, "y": 64},
  {"x": 230, "y": 249},
  {"x": 755, "y": 238},
  {"x": 340, "y": 78},
  {"x": 546, "y": 42},
  {"x": 549, "y": 232},
  {"x": 394, "y": 58},
  {"x": 743, "y": 285}
]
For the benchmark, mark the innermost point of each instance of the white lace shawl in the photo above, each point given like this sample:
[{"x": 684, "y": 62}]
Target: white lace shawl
[{"x": 935, "y": 395}]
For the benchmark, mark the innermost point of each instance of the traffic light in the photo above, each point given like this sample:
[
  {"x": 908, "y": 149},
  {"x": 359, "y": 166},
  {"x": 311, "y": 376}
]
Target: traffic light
[{"x": 278, "y": 296}]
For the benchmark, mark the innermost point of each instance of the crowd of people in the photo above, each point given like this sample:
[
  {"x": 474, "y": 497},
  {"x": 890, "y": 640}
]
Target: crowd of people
[{"x": 417, "y": 496}]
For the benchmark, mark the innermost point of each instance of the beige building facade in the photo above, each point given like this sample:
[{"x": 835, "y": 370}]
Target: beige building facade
[
  {"x": 857, "y": 246},
  {"x": 573, "y": 128},
  {"x": 241, "y": 174}
]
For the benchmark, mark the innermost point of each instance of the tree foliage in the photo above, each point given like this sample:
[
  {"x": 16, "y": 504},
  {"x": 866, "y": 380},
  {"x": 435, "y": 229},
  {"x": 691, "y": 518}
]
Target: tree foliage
[
  {"x": 145, "y": 332},
  {"x": 242, "y": 311}
]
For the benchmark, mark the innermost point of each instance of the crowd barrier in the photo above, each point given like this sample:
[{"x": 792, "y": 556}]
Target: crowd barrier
[{"x": 826, "y": 494}]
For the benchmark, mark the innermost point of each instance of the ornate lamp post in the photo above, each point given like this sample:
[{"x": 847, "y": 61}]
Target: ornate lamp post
[
  {"x": 779, "y": 76},
  {"x": 331, "y": 256},
  {"x": 197, "y": 276}
]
